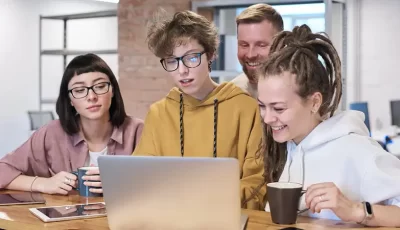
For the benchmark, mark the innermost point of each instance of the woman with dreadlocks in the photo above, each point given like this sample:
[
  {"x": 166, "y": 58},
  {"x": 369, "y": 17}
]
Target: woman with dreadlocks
[
  {"x": 347, "y": 175},
  {"x": 199, "y": 118}
]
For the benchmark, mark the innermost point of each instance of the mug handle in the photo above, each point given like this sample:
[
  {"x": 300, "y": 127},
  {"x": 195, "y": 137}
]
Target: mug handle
[
  {"x": 306, "y": 209},
  {"x": 76, "y": 174}
]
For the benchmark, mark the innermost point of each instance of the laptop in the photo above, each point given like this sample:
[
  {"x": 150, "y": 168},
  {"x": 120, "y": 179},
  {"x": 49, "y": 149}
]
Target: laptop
[{"x": 171, "y": 192}]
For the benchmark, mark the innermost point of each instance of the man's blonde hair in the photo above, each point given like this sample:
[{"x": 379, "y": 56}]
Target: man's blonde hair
[{"x": 258, "y": 13}]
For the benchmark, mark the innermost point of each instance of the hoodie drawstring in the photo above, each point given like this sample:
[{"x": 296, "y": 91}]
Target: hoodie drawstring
[
  {"x": 300, "y": 175},
  {"x": 215, "y": 126},
  {"x": 303, "y": 168},
  {"x": 181, "y": 121},
  {"x": 181, "y": 125}
]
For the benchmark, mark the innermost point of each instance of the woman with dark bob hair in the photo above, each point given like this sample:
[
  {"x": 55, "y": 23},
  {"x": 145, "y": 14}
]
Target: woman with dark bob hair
[{"x": 92, "y": 122}]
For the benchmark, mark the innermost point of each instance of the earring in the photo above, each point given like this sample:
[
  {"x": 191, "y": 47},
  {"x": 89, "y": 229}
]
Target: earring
[{"x": 209, "y": 66}]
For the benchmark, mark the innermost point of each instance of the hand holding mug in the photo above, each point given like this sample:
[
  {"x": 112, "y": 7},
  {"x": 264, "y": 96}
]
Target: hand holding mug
[
  {"x": 60, "y": 183},
  {"x": 92, "y": 179},
  {"x": 328, "y": 196},
  {"x": 89, "y": 181}
]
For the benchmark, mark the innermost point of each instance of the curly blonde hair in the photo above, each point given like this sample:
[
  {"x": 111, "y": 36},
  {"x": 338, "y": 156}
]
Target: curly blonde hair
[{"x": 165, "y": 33}]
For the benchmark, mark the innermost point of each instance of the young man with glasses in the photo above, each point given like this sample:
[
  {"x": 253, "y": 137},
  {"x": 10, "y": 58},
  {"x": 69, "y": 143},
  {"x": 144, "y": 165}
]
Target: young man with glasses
[
  {"x": 199, "y": 118},
  {"x": 92, "y": 122}
]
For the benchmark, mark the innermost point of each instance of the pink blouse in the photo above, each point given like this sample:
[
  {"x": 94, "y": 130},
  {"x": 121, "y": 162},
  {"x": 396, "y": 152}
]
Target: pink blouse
[{"x": 50, "y": 150}]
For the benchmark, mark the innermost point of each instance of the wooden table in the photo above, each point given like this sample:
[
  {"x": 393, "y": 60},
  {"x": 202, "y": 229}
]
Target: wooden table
[{"x": 18, "y": 217}]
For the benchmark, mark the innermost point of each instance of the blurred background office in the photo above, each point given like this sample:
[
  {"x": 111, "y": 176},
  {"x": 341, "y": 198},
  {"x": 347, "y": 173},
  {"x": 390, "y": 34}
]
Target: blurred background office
[{"x": 39, "y": 37}]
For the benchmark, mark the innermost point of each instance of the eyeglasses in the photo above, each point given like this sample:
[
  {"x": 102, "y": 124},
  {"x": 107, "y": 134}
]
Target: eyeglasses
[
  {"x": 189, "y": 60},
  {"x": 83, "y": 91}
]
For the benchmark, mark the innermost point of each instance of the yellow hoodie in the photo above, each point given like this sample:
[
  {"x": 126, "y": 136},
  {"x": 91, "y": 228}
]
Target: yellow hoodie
[{"x": 225, "y": 124}]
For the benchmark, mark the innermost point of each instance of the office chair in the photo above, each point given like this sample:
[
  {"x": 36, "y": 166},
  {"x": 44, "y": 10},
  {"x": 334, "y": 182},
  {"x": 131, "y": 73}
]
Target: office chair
[
  {"x": 39, "y": 118},
  {"x": 395, "y": 112},
  {"x": 363, "y": 107}
]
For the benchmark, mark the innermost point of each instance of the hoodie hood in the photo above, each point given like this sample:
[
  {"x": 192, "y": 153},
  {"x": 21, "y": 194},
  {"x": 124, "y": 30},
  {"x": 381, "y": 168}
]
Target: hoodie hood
[
  {"x": 223, "y": 92},
  {"x": 337, "y": 126}
]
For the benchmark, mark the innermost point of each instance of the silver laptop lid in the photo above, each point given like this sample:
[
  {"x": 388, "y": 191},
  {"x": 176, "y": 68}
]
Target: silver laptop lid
[{"x": 171, "y": 192}]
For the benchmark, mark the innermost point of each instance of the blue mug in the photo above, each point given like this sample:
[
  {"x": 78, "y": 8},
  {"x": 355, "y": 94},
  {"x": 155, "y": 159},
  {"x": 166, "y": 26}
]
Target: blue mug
[{"x": 83, "y": 189}]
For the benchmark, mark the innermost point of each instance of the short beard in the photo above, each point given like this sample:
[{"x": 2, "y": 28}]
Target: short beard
[{"x": 251, "y": 76}]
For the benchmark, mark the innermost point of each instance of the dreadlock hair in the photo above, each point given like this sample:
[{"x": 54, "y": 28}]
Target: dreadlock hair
[{"x": 300, "y": 52}]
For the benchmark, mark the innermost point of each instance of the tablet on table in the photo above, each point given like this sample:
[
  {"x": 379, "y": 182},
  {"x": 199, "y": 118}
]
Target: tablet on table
[
  {"x": 21, "y": 198},
  {"x": 70, "y": 212}
]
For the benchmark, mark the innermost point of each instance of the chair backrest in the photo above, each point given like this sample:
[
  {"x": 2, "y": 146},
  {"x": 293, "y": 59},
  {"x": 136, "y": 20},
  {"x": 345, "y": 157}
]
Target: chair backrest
[
  {"x": 40, "y": 118},
  {"x": 363, "y": 107},
  {"x": 395, "y": 112}
]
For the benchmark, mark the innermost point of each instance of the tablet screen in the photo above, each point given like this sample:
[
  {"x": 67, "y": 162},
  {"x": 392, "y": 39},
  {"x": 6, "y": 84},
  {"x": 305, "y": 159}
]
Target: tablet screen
[
  {"x": 74, "y": 210},
  {"x": 21, "y": 198}
]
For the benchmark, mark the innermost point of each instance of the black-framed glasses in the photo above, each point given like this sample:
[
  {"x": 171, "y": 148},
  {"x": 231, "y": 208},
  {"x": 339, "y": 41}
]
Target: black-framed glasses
[
  {"x": 191, "y": 60},
  {"x": 83, "y": 91}
]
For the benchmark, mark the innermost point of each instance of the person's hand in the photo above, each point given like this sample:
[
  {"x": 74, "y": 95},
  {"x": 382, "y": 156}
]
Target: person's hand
[
  {"x": 61, "y": 183},
  {"x": 92, "y": 179},
  {"x": 328, "y": 196}
]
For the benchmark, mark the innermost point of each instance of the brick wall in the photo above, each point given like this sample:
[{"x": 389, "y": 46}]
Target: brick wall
[{"x": 142, "y": 78}]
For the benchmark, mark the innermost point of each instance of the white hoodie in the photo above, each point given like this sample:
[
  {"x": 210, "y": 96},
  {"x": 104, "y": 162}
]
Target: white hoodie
[{"x": 339, "y": 150}]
